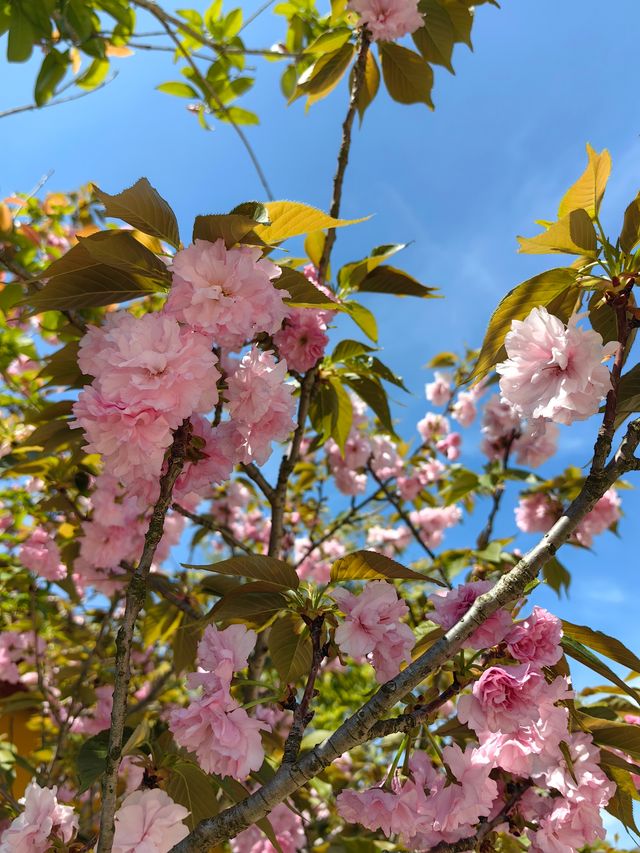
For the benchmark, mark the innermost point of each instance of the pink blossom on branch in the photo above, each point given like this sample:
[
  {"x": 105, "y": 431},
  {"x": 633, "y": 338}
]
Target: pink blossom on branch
[
  {"x": 302, "y": 339},
  {"x": 227, "y": 293},
  {"x": 41, "y": 555},
  {"x": 554, "y": 371},
  {"x": 372, "y": 626},
  {"x": 438, "y": 392},
  {"x": 220, "y": 654},
  {"x": 388, "y": 20},
  {"x": 149, "y": 822},
  {"x": 42, "y": 820},
  {"x": 536, "y": 640},
  {"x": 288, "y": 829},
  {"x": 451, "y": 605}
]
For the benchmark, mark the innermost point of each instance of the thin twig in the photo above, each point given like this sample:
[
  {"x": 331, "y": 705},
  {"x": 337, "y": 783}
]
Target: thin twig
[
  {"x": 135, "y": 597},
  {"x": 485, "y": 534},
  {"x": 55, "y": 103},
  {"x": 165, "y": 20},
  {"x": 302, "y": 715},
  {"x": 209, "y": 524}
]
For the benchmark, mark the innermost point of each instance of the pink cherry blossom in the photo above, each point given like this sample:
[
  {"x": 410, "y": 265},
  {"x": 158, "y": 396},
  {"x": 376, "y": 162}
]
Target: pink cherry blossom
[
  {"x": 433, "y": 427},
  {"x": 464, "y": 410},
  {"x": 227, "y": 293},
  {"x": 372, "y": 626},
  {"x": 287, "y": 827},
  {"x": 131, "y": 439},
  {"x": 554, "y": 371},
  {"x": 372, "y": 808},
  {"x": 433, "y": 521},
  {"x": 43, "y": 819},
  {"x": 17, "y": 647},
  {"x": 260, "y": 403},
  {"x": 385, "y": 459},
  {"x": 536, "y": 640},
  {"x": 149, "y": 822},
  {"x": 219, "y": 449},
  {"x": 537, "y": 513},
  {"x": 99, "y": 718},
  {"x": 41, "y": 555},
  {"x": 152, "y": 362},
  {"x": 604, "y": 514},
  {"x": 302, "y": 339},
  {"x": 450, "y": 446},
  {"x": 388, "y": 20},
  {"x": 438, "y": 392},
  {"x": 220, "y": 654},
  {"x": 537, "y": 443},
  {"x": 225, "y": 739},
  {"x": 451, "y": 605},
  {"x": 389, "y": 541}
]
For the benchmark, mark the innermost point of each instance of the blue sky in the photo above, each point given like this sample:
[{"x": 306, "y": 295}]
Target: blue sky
[{"x": 506, "y": 139}]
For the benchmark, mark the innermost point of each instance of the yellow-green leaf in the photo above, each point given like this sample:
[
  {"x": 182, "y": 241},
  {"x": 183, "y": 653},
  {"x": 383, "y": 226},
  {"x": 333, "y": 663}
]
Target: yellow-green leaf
[
  {"x": 143, "y": 207},
  {"x": 369, "y": 565},
  {"x": 602, "y": 643},
  {"x": 436, "y": 39},
  {"x": 325, "y": 74},
  {"x": 541, "y": 290},
  {"x": 190, "y": 786},
  {"x": 408, "y": 78},
  {"x": 291, "y": 218},
  {"x": 573, "y": 234},
  {"x": 329, "y": 41},
  {"x": 256, "y": 566},
  {"x": 302, "y": 292},
  {"x": 370, "y": 85},
  {"x": 290, "y": 648},
  {"x": 588, "y": 190},
  {"x": 630, "y": 234}
]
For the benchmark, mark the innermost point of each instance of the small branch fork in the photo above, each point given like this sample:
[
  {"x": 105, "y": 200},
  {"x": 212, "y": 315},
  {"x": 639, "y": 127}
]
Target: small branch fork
[
  {"x": 134, "y": 601},
  {"x": 359, "y": 728},
  {"x": 302, "y": 715}
]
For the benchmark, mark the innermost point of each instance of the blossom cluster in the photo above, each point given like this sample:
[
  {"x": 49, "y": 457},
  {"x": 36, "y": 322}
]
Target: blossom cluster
[
  {"x": 521, "y": 730},
  {"x": 225, "y": 739}
]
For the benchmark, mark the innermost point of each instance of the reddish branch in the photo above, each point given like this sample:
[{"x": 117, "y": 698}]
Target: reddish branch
[{"x": 302, "y": 715}]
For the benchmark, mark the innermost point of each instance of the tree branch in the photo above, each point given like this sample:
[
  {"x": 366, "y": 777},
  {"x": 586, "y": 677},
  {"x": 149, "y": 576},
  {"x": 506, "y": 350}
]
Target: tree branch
[
  {"x": 135, "y": 596},
  {"x": 209, "y": 524},
  {"x": 55, "y": 103},
  {"x": 302, "y": 716},
  {"x": 358, "y": 728},
  {"x": 498, "y": 492}
]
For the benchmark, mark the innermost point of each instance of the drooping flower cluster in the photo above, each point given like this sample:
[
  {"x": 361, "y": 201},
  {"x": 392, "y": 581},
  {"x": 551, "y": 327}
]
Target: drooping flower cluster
[
  {"x": 538, "y": 512},
  {"x": 225, "y": 739},
  {"x": 372, "y": 627},
  {"x": 288, "y": 830},
  {"x": 531, "y": 442},
  {"x": 451, "y": 605},
  {"x": 42, "y": 820},
  {"x": 554, "y": 371}
]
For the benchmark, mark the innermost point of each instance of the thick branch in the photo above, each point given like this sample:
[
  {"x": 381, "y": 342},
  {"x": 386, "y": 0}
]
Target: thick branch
[
  {"x": 359, "y": 727},
  {"x": 135, "y": 596}
]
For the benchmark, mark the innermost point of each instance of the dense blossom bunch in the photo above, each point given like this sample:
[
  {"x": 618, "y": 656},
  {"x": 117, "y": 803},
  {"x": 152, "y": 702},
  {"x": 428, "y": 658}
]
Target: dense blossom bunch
[
  {"x": 18, "y": 647},
  {"x": 372, "y": 627},
  {"x": 388, "y": 20},
  {"x": 288, "y": 830},
  {"x": 554, "y": 371},
  {"x": 225, "y": 739},
  {"x": 538, "y": 512},
  {"x": 531, "y": 442},
  {"x": 226, "y": 293},
  {"x": 43, "y": 820},
  {"x": 451, "y": 605}
]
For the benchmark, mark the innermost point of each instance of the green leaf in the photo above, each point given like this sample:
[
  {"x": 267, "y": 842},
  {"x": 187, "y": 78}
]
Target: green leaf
[
  {"x": 556, "y": 576},
  {"x": 185, "y": 645},
  {"x": 628, "y": 394},
  {"x": 369, "y": 565},
  {"x": 254, "y": 210},
  {"x": 582, "y": 654},
  {"x": 255, "y": 566},
  {"x": 255, "y": 607},
  {"x": 370, "y": 85},
  {"x": 348, "y": 349},
  {"x": 52, "y": 71},
  {"x": 302, "y": 292},
  {"x": 373, "y": 394},
  {"x": 461, "y": 17},
  {"x": 190, "y": 786},
  {"x": 92, "y": 757},
  {"x": 541, "y": 290},
  {"x": 461, "y": 482},
  {"x": 291, "y": 218},
  {"x": 408, "y": 78},
  {"x": 325, "y": 74},
  {"x": 343, "y": 414},
  {"x": 323, "y": 409},
  {"x": 181, "y": 90},
  {"x": 573, "y": 234},
  {"x": 290, "y": 648},
  {"x": 93, "y": 76},
  {"x": 144, "y": 208},
  {"x": 364, "y": 318},
  {"x": 329, "y": 41},
  {"x": 21, "y": 34},
  {"x": 386, "y": 279},
  {"x": 630, "y": 234},
  {"x": 602, "y": 643},
  {"x": 231, "y": 227},
  {"x": 436, "y": 39},
  {"x": 621, "y": 807},
  {"x": 121, "y": 250},
  {"x": 588, "y": 190}
]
